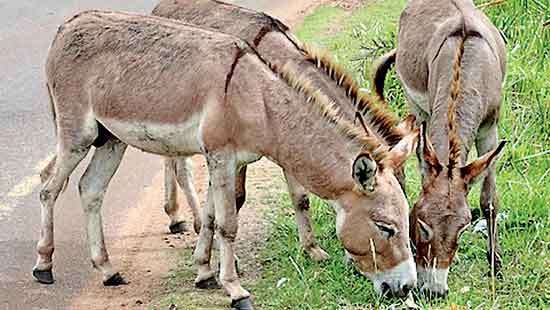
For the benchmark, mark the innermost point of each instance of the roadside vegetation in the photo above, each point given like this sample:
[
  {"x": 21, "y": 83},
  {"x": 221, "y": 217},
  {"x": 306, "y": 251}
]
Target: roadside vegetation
[{"x": 290, "y": 280}]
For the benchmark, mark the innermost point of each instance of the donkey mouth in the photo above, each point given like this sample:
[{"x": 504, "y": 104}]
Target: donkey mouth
[
  {"x": 395, "y": 282},
  {"x": 433, "y": 282}
]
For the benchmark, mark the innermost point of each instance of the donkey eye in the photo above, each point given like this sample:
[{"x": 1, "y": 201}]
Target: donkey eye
[{"x": 386, "y": 230}]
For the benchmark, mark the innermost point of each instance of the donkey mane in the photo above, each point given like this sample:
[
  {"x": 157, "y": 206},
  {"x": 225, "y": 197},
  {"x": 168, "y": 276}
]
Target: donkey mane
[
  {"x": 330, "y": 112},
  {"x": 381, "y": 120},
  {"x": 454, "y": 139}
]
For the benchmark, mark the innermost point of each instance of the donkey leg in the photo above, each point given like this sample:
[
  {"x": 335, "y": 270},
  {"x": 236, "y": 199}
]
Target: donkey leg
[
  {"x": 489, "y": 202},
  {"x": 206, "y": 278},
  {"x": 171, "y": 206},
  {"x": 222, "y": 168},
  {"x": 184, "y": 176},
  {"x": 240, "y": 188},
  {"x": 300, "y": 201},
  {"x": 54, "y": 175},
  {"x": 92, "y": 188}
]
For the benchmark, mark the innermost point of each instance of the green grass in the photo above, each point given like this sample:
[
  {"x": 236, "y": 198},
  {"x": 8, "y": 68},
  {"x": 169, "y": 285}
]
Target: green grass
[{"x": 523, "y": 179}]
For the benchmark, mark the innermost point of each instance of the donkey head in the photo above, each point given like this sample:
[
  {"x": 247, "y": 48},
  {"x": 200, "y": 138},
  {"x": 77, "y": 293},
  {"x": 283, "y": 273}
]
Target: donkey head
[
  {"x": 441, "y": 214},
  {"x": 372, "y": 220}
]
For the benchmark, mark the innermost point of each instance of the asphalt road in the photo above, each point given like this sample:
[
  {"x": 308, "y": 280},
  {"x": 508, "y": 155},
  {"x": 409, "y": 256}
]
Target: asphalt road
[{"x": 27, "y": 140}]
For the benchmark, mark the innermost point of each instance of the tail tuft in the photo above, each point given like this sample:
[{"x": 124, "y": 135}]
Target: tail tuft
[{"x": 380, "y": 69}]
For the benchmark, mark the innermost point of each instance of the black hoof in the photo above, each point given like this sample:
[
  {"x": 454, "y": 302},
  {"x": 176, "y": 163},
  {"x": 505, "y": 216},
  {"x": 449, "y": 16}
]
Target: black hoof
[
  {"x": 43, "y": 276},
  {"x": 177, "y": 228},
  {"x": 208, "y": 284},
  {"x": 242, "y": 304},
  {"x": 115, "y": 280}
]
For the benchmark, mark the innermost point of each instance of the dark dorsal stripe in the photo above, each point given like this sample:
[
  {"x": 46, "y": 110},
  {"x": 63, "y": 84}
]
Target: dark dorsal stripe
[
  {"x": 240, "y": 53},
  {"x": 274, "y": 24}
]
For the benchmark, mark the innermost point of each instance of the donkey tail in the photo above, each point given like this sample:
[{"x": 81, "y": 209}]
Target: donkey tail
[
  {"x": 52, "y": 107},
  {"x": 379, "y": 70},
  {"x": 47, "y": 171}
]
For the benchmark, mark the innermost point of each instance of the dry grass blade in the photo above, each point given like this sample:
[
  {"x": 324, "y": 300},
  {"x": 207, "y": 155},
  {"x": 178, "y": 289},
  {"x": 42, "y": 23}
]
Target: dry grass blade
[
  {"x": 373, "y": 249},
  {"x": 492, "y": 237}
]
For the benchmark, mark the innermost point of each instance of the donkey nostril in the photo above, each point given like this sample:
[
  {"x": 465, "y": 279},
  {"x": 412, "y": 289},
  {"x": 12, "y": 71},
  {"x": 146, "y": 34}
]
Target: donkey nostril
[
  {"x": 385, "y": 288},
  {"x": 405, "y": 289}
]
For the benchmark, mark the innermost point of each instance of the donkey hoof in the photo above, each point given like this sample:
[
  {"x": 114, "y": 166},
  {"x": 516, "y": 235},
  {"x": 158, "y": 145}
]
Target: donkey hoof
[
  {"x": 115, "y": 280},
  {"x": 43, "y": 276},
  {"x": 177, "y": 228},
  {"x": 242, "y": 304},
  {"x": 208, "y": 284}
]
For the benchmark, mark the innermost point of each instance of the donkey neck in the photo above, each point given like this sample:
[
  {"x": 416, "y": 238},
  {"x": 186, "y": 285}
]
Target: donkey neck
[
  {"x": 331, "y": 78},
  {"x": 308, "y": 147},
  {"x": 305, "y": 144}
]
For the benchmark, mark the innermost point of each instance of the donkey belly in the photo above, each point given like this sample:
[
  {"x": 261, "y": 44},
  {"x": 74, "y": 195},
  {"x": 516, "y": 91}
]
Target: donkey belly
[{"x": 177, "y": 139}]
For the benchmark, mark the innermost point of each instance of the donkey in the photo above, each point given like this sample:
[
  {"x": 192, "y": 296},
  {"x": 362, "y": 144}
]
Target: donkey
[
  {"x": 167, "y": 88},
  {"x": 462, "y": 65},
  {"x": 275, "y": 43}
]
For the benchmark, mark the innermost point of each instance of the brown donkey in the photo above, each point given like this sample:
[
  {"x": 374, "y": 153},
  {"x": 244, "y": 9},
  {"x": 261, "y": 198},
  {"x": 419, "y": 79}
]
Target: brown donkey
[
  {"x": 167, "y": 88},
  {"x": 452, "y": 76},
  {"x": 277, "y": 45}
]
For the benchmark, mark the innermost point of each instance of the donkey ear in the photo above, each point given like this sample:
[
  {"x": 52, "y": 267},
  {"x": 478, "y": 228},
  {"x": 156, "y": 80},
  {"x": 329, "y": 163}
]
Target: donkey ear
[
  {"x": 429, "y": 164},
  {"x": 477, "y": 169},
  {"x": 364, "y": 172},
  {"x": 401, "y": 152}
]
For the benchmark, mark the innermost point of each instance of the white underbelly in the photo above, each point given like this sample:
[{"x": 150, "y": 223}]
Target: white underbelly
[{"x": 181, "y": 139}]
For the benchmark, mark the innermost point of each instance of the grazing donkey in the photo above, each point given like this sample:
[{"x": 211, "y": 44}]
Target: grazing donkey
[
  {"x": 168, "y": 88},
  {"x": 274, "y": 42},
  {"x": 462, "y": 65}
]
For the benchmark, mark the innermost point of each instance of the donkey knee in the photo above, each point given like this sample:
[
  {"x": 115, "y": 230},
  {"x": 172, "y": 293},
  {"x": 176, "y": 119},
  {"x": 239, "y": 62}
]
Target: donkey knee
[{"x": 227, "y": 230}]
